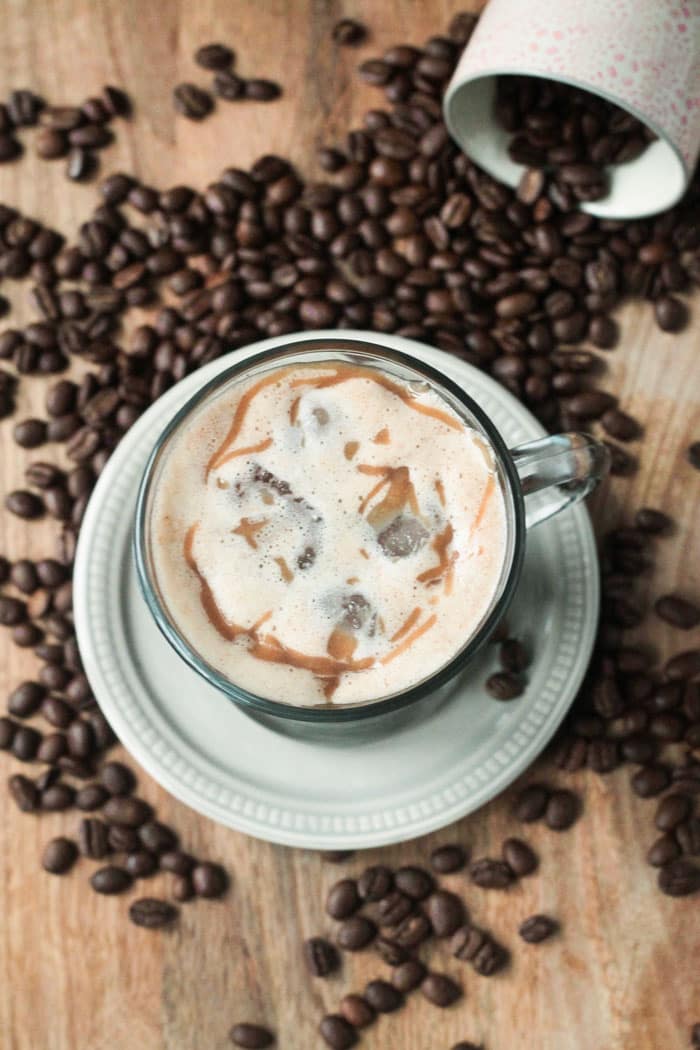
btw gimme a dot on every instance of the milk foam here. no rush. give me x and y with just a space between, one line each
329 537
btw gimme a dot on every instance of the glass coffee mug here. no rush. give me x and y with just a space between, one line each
537 479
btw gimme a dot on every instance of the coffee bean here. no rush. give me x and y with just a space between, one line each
682 666
30 433
446 913
537 928
449 858
491 874
157 837
177 862
335 1031
320 956
688 836
562 810
59 856
343 899
375 882
663 850
440 989
412 930
91 797
390 951
214 56
262 90
408 975
12 611
531 803
677 611
671 811
383 997
110 879
192 102
93 838
679 878
24 504
348 32
129 812
504 685
81 164
413 882
693 454
650 780
152 913
25 743
7 733
355 933
57 797
620 425
671 314
654 521
25 699
208 880
519 857
24 792
80 739
357 1011
117 778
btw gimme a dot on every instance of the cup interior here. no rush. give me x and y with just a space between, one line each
653 182
395 364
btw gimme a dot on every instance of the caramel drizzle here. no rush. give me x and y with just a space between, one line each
351 448
440 489
488 492
260 447
440 544
341 645
382 437
364 553
294 410
406 625
248 530
409 640
401 493
266 647
221 454
287 574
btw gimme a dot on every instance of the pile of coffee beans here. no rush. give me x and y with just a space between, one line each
404 235
566 135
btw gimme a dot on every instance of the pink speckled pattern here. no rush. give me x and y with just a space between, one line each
644 53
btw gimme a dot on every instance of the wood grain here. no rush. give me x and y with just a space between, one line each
74 974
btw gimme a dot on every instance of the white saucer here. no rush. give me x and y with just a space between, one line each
204 750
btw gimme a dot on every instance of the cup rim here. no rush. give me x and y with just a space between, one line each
364 709
596 208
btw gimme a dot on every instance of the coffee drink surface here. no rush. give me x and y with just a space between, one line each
326 533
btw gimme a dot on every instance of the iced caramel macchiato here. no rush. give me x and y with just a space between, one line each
326 533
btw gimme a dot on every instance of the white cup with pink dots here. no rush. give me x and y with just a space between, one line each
642 55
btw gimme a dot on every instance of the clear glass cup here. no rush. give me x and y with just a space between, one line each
537 479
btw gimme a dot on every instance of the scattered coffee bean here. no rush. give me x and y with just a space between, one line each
446 912
152 913
192 102
663 850
59 856
519 857
393 908
390 951
117 778
343 899
214 56
57 797
562 810
375 883
320 956
671 811
447 859
688 836
415 883
531 803
693 454
440 989
336 1032
348 32
93 838
24 504
679 878
357 1011
355 933
130 812
383 997
24 792
504 685
208 880
678 611
252 1036
537 928
110 879
408 975
650 780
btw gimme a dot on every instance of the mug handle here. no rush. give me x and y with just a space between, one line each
568 465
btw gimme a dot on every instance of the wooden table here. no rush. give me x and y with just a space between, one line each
74 974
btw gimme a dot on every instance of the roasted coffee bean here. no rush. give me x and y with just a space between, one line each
91 797
449 858
383 997
671 314
688 836
141 864
7 733
679 878
440 989
24 792
320 956
24 576
192 102
393 908
654 521
127 811
357 1011
30 433
408 975
412 930
110 879
693 454
682 666
59 856
251 1036
117 778
156 837
531 803
537 928
259 90
671 811
12 611
491 874
57 797
375 882
25 699
413 882
504 685
519 857
152 913
177 862
343 899
80 739
57 712
663 850
562 810
93 838
392 953
81 164
123 840
446 913
677 611
24 504
603 755
348 32
208 880
335 1031
25 743
355 933
650 780
214 56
